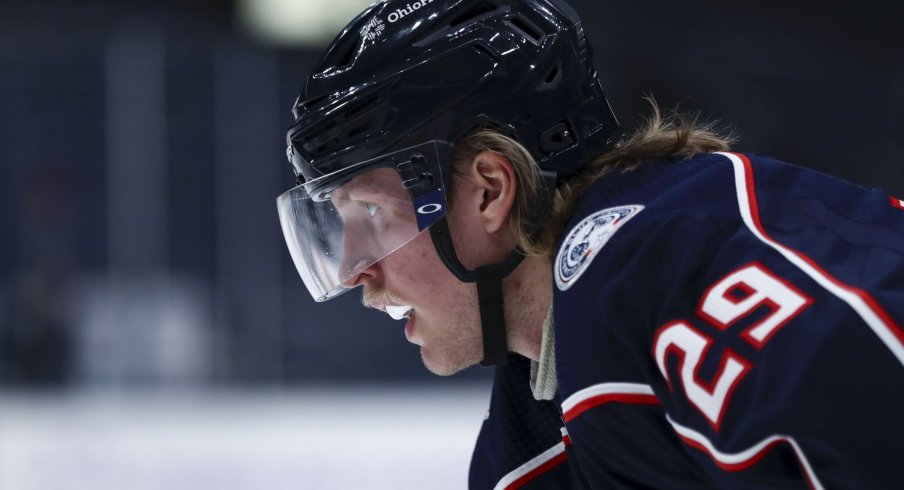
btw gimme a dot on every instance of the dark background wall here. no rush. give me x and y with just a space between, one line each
141 146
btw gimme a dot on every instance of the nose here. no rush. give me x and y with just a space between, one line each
357 265
352 277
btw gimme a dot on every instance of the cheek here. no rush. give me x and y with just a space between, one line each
417 272
416 265
473 245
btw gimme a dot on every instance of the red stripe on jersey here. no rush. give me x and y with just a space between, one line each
745 459
898 203
611 398
542 463
739 466
539 470
603 393
891 334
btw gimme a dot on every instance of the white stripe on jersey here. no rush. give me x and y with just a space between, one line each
605 391
859 300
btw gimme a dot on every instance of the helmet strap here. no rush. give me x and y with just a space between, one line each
489 291
492 311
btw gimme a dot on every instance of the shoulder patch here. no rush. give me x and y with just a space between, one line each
586 240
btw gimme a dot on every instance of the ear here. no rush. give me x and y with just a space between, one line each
495 185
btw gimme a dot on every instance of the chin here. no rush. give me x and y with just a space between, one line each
444 366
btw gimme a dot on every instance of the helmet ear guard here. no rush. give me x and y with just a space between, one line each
406 72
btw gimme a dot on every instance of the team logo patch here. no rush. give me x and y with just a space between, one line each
586 240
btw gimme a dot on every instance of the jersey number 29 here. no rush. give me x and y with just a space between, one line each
730 299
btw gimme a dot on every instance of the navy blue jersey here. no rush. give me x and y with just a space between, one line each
731 321
520 444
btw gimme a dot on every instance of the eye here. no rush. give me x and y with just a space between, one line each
371 208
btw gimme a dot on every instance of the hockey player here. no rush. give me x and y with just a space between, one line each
663 313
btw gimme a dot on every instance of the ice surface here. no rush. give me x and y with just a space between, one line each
324 438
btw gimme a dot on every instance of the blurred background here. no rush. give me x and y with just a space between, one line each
153 331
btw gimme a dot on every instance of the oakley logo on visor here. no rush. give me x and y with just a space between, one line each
429 208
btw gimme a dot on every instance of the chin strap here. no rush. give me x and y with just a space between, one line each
489 278
492 311
489 291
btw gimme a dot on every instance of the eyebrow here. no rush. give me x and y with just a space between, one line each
361 191
344 191
364 185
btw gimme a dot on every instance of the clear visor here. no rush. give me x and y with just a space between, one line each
338 225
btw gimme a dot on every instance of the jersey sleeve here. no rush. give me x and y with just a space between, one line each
781 357
769 345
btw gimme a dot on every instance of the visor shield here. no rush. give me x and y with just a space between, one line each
338 225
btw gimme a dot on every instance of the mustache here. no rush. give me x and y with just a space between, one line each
370 296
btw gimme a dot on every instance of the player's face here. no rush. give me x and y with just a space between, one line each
445 320
377 217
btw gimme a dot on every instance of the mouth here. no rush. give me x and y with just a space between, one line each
390 304
400 312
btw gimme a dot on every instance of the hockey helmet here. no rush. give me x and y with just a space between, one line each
394 91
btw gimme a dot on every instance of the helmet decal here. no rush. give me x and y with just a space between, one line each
373 29
407 10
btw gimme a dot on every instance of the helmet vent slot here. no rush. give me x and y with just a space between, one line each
342 54
526 28
360 129
472 14
347 56
475 11
553 77
362 107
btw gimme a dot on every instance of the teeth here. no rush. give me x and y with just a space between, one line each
399 312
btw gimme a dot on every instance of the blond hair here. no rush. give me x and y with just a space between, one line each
673 136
